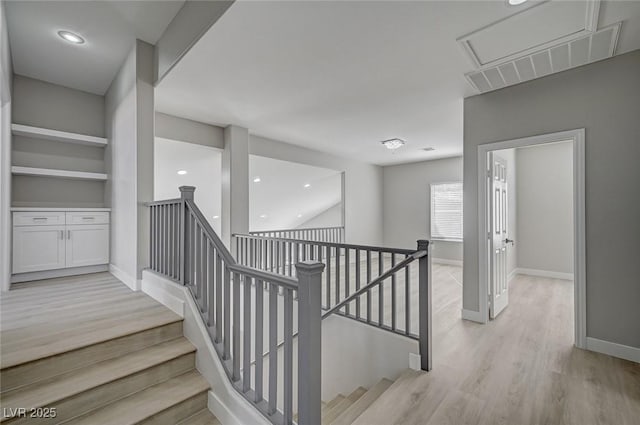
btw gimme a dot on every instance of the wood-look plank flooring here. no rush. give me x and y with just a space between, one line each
45 318
519 369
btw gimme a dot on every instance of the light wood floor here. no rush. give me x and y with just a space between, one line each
521 368
45 318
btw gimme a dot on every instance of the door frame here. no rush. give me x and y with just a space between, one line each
579 226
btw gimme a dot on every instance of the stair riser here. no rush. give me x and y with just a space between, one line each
179 411
104 394
31 372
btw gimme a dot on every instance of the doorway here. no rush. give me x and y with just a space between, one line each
495 190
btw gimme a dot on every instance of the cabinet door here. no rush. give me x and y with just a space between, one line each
37 248
87 245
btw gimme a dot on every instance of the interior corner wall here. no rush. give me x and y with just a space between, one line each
544 193
129 161
602 98
6 83
407 206
363 186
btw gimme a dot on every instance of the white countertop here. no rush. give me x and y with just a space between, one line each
57 209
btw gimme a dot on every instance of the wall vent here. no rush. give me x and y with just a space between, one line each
587 49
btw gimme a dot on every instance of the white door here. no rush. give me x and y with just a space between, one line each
499 285
87 245
37 248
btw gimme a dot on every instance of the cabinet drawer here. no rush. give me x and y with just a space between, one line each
87 217
38 218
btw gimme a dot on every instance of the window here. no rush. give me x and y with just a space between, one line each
446 211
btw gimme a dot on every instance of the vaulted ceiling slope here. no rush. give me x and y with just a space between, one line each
108 27
342 76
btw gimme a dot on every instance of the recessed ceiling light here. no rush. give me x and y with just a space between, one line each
299 215
307 185
393 144
216 216
263 216
71 37
182 172
257 179
515 2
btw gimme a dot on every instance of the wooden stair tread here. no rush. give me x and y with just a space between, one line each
94 332
336 411
203 417
356 394
358 407
331 404
146 403
52 390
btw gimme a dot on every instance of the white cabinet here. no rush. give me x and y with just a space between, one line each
79 239
38 248
87 245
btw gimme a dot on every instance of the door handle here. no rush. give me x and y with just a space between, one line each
68 234
61 234
511 241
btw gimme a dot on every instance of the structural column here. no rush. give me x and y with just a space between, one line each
235 183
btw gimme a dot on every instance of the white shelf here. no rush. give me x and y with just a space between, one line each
45 172
58 136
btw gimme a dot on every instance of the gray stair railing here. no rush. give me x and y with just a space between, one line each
319 234
244 310
393 286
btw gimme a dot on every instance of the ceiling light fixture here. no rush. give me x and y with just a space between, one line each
299 215
263 216
71 37
515 2
257 179
393 144
307 185
182 172
216 217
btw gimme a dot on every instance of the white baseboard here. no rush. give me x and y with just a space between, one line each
513 274
50 274
160 293
124 277
474 316
447 261
612 349
544 273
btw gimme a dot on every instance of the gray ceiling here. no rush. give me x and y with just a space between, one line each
109 28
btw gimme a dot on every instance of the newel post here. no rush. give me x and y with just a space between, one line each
309 275
186 192
424 304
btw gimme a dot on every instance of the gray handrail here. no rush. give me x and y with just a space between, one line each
372 248
184 247
368 287
255 232
402 264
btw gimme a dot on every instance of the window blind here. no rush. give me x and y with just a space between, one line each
446 211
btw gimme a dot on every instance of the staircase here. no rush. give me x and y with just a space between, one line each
344 410
95 353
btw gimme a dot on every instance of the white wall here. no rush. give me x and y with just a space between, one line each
184 130
280 199
407 208
6 75
544 193
331 217
129 162
363 186
204 168
602 98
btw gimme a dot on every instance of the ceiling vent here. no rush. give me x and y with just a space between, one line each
583 50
